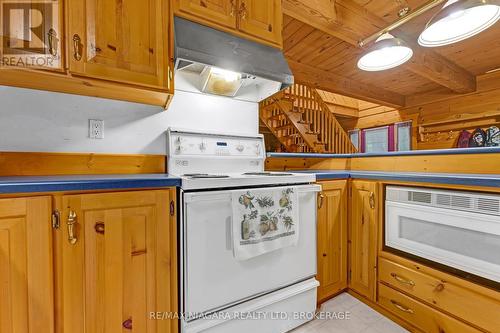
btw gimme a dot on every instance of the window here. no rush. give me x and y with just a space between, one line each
354 136
375 140
403 136
396 137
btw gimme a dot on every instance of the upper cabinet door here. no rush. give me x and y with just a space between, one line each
26 278
262 19
121 40
32 34
221 12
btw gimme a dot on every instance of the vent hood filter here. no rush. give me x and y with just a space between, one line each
221 82
227 65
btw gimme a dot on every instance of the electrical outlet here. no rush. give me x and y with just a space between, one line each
96 129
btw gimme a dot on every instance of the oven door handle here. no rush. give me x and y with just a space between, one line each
226 195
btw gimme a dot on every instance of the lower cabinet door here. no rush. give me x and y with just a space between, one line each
119 262
332 238
26 278
363 238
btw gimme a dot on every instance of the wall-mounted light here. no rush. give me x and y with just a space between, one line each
387 52
459 20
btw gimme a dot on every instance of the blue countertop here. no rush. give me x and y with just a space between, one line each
28 184
455 151
488 180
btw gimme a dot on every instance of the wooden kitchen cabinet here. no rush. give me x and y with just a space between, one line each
33 34
332 238
127 42
260 21
363 238
118 261
220 12
26 276
112 49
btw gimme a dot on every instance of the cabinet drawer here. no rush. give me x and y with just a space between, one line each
471 306
418 314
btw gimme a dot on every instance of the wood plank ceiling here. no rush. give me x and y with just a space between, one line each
320 43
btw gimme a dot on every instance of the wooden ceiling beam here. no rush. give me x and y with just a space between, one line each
352 22
435 67
425 62
332 98
306 11
342 111
337 84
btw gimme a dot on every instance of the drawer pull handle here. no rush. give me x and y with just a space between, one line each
320 201
402 280
71 227
401 307
439 287
372 200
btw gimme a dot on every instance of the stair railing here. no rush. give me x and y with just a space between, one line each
323 121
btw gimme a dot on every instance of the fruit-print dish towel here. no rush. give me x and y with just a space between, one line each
264 220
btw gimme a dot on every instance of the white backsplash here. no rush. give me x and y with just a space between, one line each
39 121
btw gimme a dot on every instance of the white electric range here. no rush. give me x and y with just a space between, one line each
218 293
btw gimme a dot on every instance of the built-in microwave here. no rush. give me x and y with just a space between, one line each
459 231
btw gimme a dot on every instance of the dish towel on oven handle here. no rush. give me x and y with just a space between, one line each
264 220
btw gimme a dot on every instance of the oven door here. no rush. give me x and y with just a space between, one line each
467 241
213 279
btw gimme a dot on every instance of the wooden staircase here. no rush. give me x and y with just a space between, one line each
302 122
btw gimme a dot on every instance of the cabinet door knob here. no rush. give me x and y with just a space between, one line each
324 254
77 46
99 228
71 227
52 37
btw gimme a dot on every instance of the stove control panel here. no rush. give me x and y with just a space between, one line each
196 144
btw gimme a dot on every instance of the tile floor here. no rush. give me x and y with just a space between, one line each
361 319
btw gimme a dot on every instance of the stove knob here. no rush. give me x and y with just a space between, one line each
179 149
178 140
203 146
240 148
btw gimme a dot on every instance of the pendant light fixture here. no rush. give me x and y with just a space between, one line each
459 20
456 21
387 52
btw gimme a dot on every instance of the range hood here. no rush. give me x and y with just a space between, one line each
213 61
